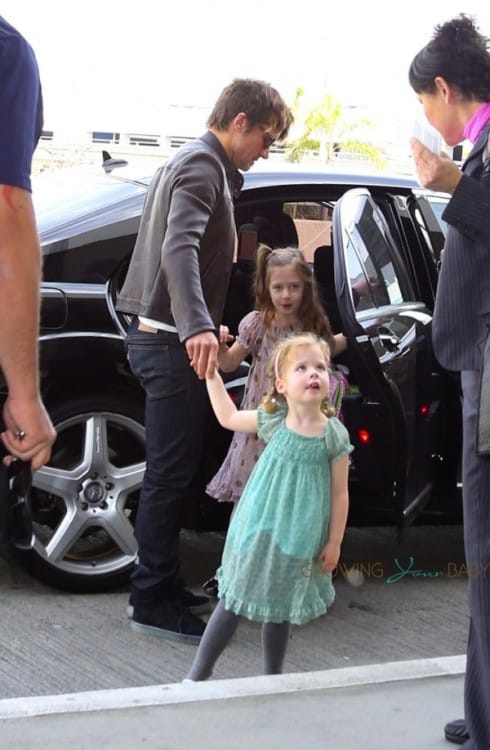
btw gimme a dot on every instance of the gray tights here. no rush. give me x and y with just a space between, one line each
219 632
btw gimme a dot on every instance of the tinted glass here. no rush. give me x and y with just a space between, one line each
370 264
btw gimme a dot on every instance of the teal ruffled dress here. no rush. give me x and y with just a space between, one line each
270 570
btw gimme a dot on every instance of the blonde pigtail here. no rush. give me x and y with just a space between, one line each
327 408
271 401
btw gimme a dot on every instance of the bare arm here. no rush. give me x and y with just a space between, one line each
229 358
340 344
339 493
226 412
20 275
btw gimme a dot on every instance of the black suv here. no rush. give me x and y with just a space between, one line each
373 242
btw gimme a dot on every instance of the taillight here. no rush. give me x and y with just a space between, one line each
364 436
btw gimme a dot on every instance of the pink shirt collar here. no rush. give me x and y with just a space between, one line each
476 124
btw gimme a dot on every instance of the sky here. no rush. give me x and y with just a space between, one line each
119 60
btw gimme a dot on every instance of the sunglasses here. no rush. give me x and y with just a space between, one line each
268 138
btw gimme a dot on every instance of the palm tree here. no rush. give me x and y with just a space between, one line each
325 131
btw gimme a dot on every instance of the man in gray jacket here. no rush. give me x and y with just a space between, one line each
176 288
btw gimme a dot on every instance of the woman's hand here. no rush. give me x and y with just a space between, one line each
435 172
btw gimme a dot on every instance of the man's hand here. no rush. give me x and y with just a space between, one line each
203 353
29 433
435 172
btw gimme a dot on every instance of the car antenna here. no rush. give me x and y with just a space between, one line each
109 163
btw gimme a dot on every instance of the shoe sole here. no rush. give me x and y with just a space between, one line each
456 740
169 635
199 609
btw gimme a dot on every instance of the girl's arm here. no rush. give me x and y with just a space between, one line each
229 358
339 498
226 412
340 344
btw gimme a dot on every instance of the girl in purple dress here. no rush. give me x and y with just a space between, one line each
286 302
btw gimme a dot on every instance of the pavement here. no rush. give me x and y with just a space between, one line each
398 705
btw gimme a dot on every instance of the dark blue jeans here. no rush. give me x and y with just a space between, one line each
176 409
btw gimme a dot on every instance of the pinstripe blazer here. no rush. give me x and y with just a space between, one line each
462 309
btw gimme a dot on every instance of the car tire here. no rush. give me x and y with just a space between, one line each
84 501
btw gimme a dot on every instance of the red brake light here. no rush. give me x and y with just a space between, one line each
364 436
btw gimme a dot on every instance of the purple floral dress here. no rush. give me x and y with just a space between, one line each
245 448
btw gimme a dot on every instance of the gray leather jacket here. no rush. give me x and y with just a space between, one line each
181 263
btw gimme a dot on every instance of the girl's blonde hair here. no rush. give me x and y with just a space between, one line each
310 313
277 365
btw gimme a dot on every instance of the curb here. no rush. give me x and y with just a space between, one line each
159 695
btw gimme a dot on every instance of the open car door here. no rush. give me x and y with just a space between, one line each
393 419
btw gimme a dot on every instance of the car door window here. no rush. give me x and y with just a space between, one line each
427 213
370 264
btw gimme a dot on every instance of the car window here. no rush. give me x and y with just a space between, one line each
68 207
371 270
373 264
438 205
371 254
89 263
313 222
370 265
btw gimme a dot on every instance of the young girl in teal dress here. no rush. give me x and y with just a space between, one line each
284 538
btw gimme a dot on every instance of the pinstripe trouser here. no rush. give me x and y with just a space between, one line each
476 505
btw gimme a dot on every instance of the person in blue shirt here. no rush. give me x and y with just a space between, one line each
27 430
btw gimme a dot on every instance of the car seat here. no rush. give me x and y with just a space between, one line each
276 229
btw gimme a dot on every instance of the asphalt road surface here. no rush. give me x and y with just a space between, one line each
407 600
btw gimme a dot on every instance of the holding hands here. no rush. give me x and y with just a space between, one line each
203 350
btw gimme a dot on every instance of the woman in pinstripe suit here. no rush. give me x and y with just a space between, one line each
451 76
